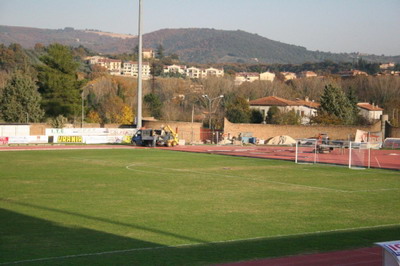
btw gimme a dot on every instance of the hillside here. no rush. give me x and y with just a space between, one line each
192 45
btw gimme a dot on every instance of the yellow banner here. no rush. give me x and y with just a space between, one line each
70 139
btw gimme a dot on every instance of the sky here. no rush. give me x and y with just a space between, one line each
365 26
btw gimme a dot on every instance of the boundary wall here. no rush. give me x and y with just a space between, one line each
266 131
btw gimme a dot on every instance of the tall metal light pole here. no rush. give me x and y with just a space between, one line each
210 106
83 110
139 89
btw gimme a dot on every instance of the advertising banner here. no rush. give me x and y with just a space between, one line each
95 139
90 131
374 138
68 139
3 140
27 139
391 248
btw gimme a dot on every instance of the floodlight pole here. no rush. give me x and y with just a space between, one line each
210 106
139 89
83 109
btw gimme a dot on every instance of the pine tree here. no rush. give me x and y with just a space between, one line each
58 82
20 100
335 104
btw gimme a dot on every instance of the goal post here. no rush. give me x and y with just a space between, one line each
306 151
359 155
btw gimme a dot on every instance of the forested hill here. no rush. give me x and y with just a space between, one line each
192 45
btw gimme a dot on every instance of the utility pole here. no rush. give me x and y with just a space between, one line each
139 89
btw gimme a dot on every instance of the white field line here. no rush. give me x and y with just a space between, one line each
378 162
253 179
197 244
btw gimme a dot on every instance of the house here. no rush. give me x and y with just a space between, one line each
307 74
148 53
214 72
131 69
246 77
289 75
175 69
268 76
370 111
264 104
305 108
352 73
387 66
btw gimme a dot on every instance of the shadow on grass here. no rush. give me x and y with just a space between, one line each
24 237
27 238
105 220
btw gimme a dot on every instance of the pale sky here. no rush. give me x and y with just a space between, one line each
366 26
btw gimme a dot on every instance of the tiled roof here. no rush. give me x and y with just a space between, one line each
247 74
369 107
310 104
273 101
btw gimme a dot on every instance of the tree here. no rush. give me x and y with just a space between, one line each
153 102
334 103
20 100
279 117
256 116
238 111
272 114
58 82
160 52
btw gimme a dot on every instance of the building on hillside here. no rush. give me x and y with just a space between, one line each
212 72
307 74
387 66
131 69
148 53
175 69
352 73
196 73
370 111
113 66
246 77
193 72
268 76
289 75
92 60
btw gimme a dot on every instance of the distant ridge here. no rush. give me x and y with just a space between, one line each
110 34
193 45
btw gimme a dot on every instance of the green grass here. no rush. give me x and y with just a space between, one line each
173 208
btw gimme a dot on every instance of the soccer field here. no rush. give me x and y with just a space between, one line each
160 207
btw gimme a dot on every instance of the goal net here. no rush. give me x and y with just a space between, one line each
359 155
306 151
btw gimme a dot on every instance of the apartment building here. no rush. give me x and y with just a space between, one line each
212 72
175 69
131 69
112 65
